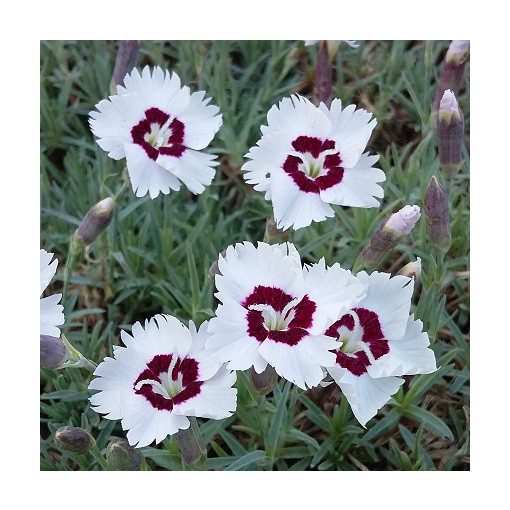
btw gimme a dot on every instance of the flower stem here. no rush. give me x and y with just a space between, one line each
74 250
191 444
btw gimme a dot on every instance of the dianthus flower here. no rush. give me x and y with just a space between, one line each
51 312
160 129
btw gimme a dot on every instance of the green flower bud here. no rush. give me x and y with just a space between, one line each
123 457
95 221
437 216
74 439
265 381
191 444
53 352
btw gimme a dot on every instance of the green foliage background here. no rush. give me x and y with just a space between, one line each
156 254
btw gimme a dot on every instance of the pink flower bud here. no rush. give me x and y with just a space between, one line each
452 72
402 222
388 234
450 134
458 52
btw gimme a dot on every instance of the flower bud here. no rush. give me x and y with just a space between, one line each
412 269
53 352
436 214
273 234
323 75
191 444
214 269
95 221
74 439
265 381
452 72
388 234
402 222
450 134
127 55
123 457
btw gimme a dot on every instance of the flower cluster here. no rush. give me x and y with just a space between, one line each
301 320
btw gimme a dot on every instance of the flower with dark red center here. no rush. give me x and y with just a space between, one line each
379 341
52 314
275 312
160 128
309 158
163 375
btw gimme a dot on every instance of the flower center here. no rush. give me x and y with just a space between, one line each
167 386
314 164
159 133
273 314
361 340
274 320
168 380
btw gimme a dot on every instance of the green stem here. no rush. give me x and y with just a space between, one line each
98 457
74 249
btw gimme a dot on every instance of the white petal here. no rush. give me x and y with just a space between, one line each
229 338
146 175
195 169
293 207
358 187
217 398
334 291
351 130
302 363
266 158
51 315
297 116
157 89
48 269
364 394
245 266
201 122
408 355
390 298
160 334
114 120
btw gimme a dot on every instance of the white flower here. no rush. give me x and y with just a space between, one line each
163 375
309 158
352 44
274 311
403 221
51 312
379 342
160 128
